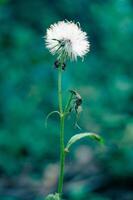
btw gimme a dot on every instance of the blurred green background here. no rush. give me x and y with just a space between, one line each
29 152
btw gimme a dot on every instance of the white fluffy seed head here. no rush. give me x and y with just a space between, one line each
66 40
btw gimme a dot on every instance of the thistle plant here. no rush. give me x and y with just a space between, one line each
67 41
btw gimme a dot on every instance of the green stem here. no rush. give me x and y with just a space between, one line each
62 156
60 89
62 119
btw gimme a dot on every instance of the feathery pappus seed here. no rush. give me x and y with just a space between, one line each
66 40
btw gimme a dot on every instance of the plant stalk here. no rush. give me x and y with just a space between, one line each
62 119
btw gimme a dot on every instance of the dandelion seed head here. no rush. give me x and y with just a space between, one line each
66 40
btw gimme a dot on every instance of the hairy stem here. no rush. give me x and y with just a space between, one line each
62 119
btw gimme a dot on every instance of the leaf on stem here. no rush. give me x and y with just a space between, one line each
51 113
53 197
77 137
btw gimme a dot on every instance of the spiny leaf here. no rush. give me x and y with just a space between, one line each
77 137
53 197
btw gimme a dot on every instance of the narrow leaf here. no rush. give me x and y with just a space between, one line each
77 137
51 113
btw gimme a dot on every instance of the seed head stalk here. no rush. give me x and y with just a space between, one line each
62 119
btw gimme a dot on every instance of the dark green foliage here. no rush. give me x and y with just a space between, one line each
28 92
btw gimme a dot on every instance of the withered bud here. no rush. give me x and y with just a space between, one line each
57 64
